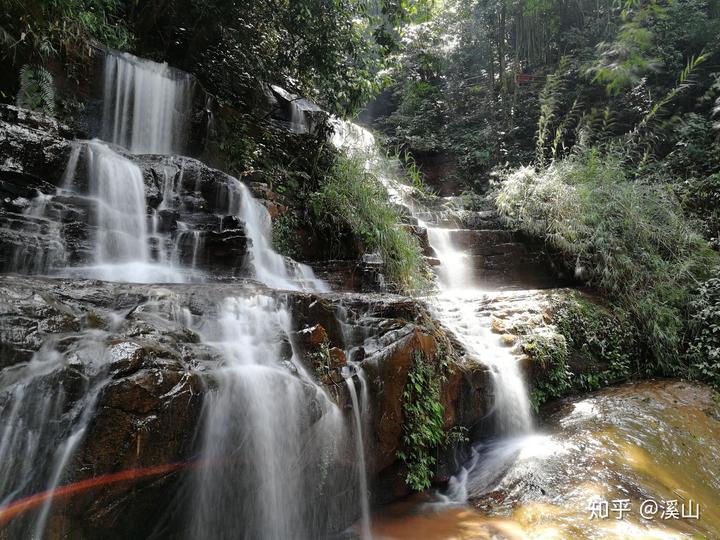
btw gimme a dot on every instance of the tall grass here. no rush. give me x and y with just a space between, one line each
626 238
351 197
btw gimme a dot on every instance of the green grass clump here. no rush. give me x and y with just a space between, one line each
351 197
593 346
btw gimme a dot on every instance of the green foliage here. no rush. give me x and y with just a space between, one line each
549 100
471 201
629 239
38 29
352 198
597 71
704 346
623 61
423 431
37 90
593 347
285 239
331 51
550 351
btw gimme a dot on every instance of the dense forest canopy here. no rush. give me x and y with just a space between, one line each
333 51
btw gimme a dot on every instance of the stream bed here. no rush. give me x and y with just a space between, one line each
628 447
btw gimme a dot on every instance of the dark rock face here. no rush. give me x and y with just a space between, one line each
190 206
501 260
150 373
34 151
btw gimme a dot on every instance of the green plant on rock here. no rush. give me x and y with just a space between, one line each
704 344
37 90
629 239
601 342
353 199
285 239
423 431
551 352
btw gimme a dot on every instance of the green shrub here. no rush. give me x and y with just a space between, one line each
704 349
594 346
37 90
285 239
351 198
551 352
628 239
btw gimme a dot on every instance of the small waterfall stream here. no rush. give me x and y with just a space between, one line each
458 305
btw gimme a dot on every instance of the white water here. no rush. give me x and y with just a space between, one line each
365 533
458 304
146 110
268 434
270 268
116 193
271 433
41 427
147 105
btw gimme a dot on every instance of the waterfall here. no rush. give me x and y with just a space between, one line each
269 434
278 458
360 453
121 243
271 268
41 426
147 105
457 305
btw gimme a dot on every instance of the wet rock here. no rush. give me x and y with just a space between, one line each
312 338
154 375
32 145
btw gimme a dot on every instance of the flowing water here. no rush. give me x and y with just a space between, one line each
121 248
41 424
270 432
654 441
459 299
273 429
147 105
278 458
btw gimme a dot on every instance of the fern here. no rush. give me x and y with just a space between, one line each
570 118
37 90
684 81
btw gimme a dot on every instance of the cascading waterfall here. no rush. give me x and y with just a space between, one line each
271 268
116 191
272 438
146 109
458 305
147 105
269 434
